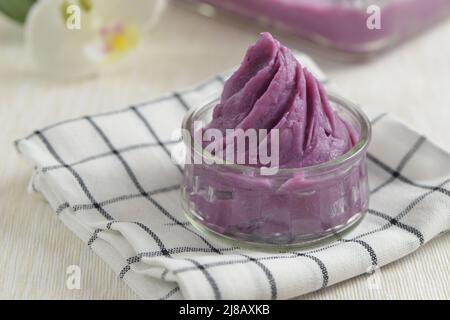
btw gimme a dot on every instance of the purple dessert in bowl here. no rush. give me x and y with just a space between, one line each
317 183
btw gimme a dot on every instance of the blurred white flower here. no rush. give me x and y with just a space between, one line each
76 38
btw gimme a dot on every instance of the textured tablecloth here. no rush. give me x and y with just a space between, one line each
411 82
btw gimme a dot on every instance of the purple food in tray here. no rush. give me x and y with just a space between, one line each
348 25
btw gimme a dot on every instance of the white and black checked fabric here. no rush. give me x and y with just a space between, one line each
110 179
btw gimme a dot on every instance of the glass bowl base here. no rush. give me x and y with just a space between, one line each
276 243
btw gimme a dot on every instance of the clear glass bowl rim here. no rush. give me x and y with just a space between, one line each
346 159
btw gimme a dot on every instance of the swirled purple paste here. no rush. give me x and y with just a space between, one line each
271 90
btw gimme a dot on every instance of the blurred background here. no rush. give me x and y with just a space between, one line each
127 52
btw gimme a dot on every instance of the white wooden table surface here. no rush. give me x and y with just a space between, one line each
412 82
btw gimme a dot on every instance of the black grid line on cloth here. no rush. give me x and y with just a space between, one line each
109 153
395 221
61 123
114 112
420 198
62 207
93 237
323 268
401 177
164 274
121 198
175 251
33 186
153 133
124 271
155 237
268 274
399 224
171 224
170 293
401 165
257 261
368 248
109 224
181 101
212 282
365 245
75 174
396 174
88 194
139 187
264 258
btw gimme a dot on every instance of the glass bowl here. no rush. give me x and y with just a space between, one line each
289 208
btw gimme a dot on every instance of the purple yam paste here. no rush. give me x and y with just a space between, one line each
271 90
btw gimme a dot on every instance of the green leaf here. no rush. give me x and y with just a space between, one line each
64 5
85 5
16 9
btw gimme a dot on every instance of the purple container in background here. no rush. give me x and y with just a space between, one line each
342 24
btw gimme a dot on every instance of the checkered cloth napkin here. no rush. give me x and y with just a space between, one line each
110 179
